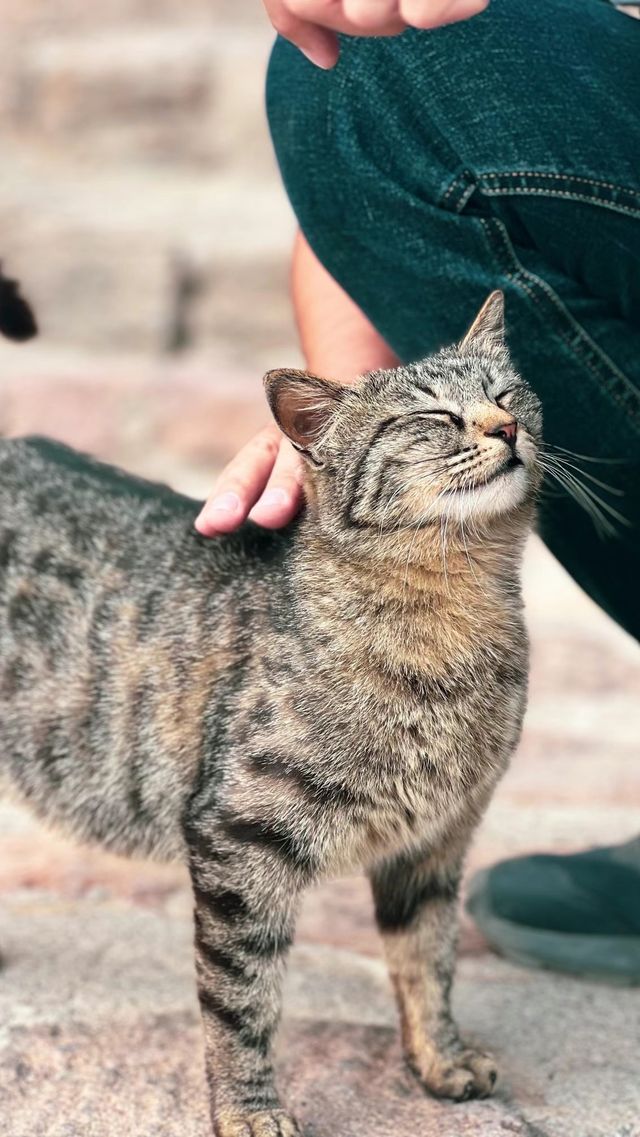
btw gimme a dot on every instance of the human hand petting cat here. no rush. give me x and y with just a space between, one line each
312 25
265 474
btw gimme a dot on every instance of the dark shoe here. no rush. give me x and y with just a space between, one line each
578 913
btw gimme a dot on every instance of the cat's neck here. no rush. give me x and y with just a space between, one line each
424 599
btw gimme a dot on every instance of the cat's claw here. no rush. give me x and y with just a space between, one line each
469 1074
266 1123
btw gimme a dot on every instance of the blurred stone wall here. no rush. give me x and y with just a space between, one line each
139 201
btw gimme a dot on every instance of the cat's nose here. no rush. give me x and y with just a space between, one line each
508 431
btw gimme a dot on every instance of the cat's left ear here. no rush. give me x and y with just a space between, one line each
487 330
303 405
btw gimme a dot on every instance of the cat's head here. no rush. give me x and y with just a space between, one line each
452 437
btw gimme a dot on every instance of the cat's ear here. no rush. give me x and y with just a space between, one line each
303 405
487 330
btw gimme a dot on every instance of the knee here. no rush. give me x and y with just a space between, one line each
348 152
383 122
414 111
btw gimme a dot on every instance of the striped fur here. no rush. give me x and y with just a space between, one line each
278 707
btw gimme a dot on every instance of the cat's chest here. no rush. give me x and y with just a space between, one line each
448 718
424 789
433 755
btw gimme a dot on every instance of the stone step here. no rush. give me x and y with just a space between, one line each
143 210
191 93
126 258
101 1034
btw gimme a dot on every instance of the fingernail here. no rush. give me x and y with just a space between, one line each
225 503
275 497
316 59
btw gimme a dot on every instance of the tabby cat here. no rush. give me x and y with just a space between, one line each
278 707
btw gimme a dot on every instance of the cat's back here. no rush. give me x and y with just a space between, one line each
50 491
56 502
117 620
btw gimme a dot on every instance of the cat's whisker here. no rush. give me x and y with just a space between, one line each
587 498
580 497
550 448
467 554
394 497
565 464
554 466
406 508
443 545
406 569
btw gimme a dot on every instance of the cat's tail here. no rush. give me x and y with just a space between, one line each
17 320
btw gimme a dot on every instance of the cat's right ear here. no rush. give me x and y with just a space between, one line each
303 406
487 330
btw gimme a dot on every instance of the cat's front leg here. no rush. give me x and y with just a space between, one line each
245 900
416 910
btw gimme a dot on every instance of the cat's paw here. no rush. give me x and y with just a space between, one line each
266 1123
467 1074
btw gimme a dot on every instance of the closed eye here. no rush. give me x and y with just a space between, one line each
455 419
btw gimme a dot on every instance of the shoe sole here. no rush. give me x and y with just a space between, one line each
614 959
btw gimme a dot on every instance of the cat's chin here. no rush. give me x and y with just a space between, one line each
506 490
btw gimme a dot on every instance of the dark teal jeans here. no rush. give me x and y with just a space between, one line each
503 152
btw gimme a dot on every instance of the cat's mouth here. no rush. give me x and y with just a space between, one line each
512 463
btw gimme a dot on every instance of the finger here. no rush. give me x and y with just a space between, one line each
240 484
463 10
324 14
282 497
380 18
436 13
319 44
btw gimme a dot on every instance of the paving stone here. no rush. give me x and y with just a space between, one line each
100 1036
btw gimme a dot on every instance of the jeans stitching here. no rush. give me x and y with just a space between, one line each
462 182
529 191
452 186
526 279
563 178
462 201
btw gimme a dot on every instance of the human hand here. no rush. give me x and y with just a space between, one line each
263 481
312 24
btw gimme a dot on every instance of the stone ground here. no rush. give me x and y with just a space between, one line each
140 206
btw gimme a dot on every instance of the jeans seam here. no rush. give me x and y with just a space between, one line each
561 178
530 191
458 192
498 184
620 387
